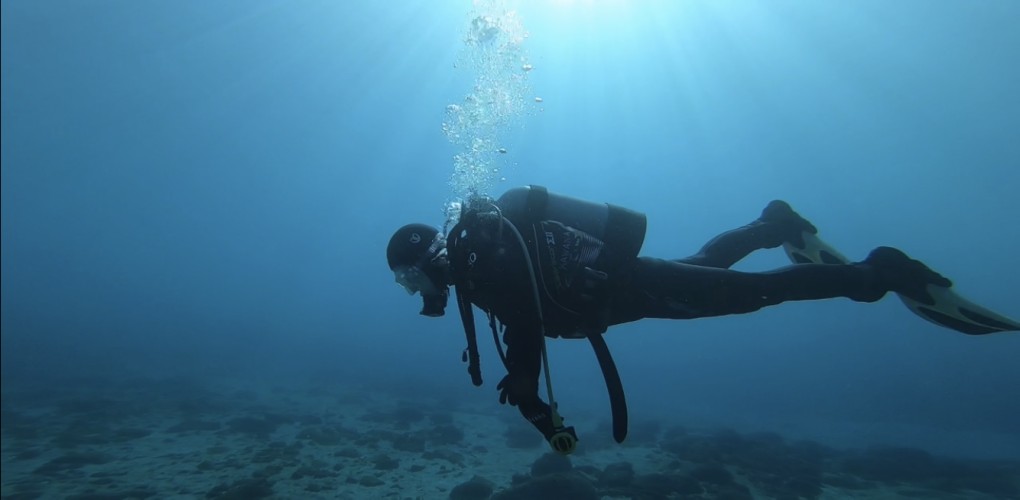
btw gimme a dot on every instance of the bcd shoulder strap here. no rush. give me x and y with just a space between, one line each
467 316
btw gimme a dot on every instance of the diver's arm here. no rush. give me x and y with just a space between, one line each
539 414
524 336
520 386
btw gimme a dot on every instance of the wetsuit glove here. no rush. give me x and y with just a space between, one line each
507 392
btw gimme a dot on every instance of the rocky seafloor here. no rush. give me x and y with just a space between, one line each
180 438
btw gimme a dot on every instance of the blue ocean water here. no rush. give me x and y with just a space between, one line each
202 192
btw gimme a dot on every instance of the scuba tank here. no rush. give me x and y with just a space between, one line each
621 230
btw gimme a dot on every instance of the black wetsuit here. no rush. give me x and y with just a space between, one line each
581 295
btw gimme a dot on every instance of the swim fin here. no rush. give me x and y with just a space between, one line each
814 251
947 308
950 310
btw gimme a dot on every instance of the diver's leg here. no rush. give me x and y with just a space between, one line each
778 224
657 288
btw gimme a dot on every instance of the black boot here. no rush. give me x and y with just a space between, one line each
908 277
786 224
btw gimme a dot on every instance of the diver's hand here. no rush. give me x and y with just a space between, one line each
511 389
504 392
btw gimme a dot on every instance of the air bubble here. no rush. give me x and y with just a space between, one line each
493 51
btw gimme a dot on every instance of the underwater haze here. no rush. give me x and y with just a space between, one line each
197 197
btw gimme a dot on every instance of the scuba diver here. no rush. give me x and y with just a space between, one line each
539 265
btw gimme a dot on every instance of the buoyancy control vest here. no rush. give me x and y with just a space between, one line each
575 244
